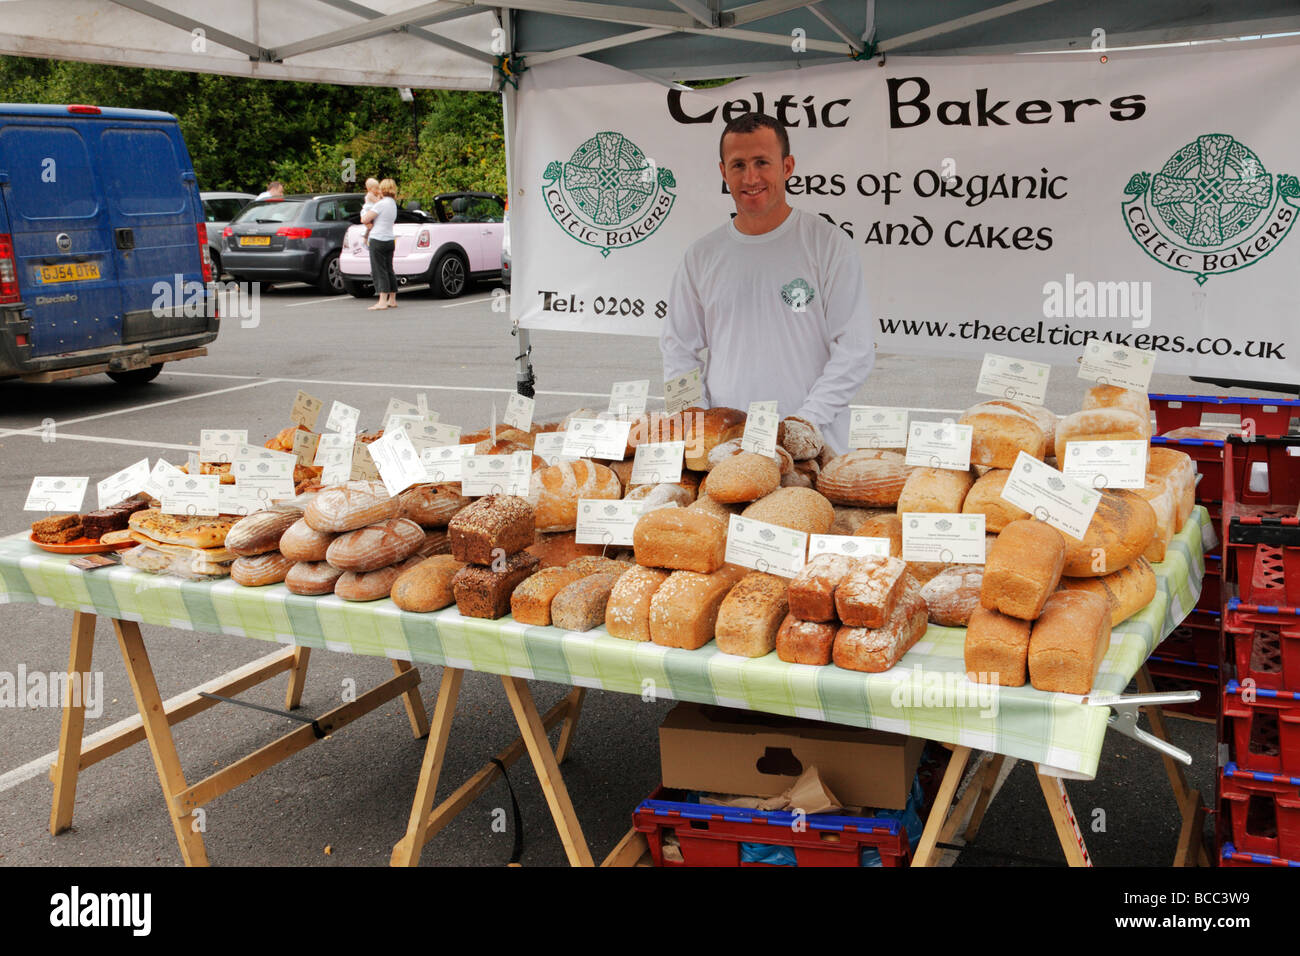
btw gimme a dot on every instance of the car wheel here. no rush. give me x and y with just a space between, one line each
137 376
448 276
216 265
358 288
331 278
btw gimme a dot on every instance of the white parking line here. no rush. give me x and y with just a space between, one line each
64 436
460 302
323 300
417 386
33 768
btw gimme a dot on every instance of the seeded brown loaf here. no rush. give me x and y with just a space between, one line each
371 585
627 615
580 606
426 586
703 429
935 490
751 614
866 596
877 649
680 539
1112 396
867 477
684 609
1068 641
260 532
1100 424
312 577
997 648
1000 430
1127 591
492 526
1022 568
953 594
375 546
743 477
806 642
302 542
801 438
432 506
253 571
985 498
1121 530
350 506
599 564
558 488
530 603
482 592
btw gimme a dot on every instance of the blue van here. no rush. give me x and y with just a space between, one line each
103 249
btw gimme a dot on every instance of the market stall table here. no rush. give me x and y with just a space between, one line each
1059 732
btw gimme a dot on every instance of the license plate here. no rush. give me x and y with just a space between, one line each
254 240
69 272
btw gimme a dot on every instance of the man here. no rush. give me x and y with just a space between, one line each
776 296
274 190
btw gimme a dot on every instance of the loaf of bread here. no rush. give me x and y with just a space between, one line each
953 594
812 590
799 509
803 475
729 449
1001 430
997 648
1160 496
1121 530
557 489
1178 469
866 596
490 527
260 532
1068 642
888 525
877 649
302 542
253 571
985 498
426 586
703 429
660 496
436 541
801 438
312 577
1207 432
531 601
935 490
751 614
868 477
350 506
1112 396
709 506
1100 424
1022 568
744 477
847 520
580 605
627 615
680 539
1047 420
484 592
806 642
599 564
375 546
432 506
1127 591
371 585
558 549
684 609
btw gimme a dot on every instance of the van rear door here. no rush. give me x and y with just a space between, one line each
62 239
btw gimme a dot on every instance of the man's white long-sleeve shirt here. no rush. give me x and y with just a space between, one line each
784 316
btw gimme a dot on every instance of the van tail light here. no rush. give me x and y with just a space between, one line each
8 270
293 232
205 260
423 241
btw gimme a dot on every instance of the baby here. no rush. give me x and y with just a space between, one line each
372 196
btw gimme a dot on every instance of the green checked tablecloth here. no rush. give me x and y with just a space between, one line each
927 695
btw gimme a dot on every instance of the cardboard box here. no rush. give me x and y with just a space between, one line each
718 750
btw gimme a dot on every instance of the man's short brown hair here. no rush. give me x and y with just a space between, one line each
752 123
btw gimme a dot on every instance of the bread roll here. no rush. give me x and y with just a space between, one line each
1100 424
867 477
751 614
1068 642
371 585
376 546
256 570
953 594
801 438
432 506
1023 568
260 532
1160 496
866 596
1121 530
627 614
997 648
799 509
580 605
812 590
312 577
558 488
1000 430
1178 469
492 526
1112 396
743 477
874 650
684 609
484 592
557 550
350 506
805 642
935 490
680 539
704 429
426 585
985 498
1127 591
302 542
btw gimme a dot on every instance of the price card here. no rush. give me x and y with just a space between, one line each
949 538
398 407
363 465
331 441
684 391
398 461
274 476
442 463
56 494
1013 378
1050 496
846 544
124 483
939 445
161 469
628 399
765 547
601 521
1106 464
304 446
658 462
192 464
336 460
191 495
596 438
496 474
549 447
305 411
761 426
519 412
1108 364
426 434
257 453
343 419
873 426
220 444
234 500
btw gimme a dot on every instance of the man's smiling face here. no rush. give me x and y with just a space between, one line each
755 173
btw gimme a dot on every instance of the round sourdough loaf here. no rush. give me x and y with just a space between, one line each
799 509
867 477
257 570
557 488
1100 424
371 585
729 448
312 577
1112 396
743 477
302 542
375 546
350 506
801 438
703 429
1120 531
260 532
1127 591
935 490
985 498
1001 430
426 586
432 506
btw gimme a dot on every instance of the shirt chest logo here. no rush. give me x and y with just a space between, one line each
797 294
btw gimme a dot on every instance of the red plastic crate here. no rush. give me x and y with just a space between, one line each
1270 416
1265 573
711 836
1196 639
1262 810
1170 674
1231 856
1268 516
1212 594
1264 645
1264 733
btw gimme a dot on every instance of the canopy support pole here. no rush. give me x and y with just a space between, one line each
525 381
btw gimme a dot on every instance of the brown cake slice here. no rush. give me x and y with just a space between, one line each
96 524
57 529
